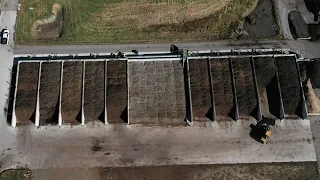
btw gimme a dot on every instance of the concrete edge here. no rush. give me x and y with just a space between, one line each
14 117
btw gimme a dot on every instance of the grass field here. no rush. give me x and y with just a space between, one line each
15 174
125 21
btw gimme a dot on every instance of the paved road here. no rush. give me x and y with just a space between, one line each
309 49
284 7
7 18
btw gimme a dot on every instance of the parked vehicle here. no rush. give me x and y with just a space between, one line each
260 132
5 36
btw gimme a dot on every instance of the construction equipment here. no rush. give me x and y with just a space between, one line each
260 132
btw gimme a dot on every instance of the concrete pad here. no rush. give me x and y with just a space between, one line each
133 145
315 128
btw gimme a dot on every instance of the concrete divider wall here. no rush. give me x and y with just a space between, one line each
211 91
259 114
235 100
281 113
105 93
14 118
303 104
60 94
37 115
189 113
82 92
128 91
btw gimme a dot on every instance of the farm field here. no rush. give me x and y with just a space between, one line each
124 21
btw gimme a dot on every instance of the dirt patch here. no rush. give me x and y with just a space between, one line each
294 171
49 92
314 73
222 88
262 171
145 14
200 88
50 28
96 147
71 93
245 89
116 92
26 98
262 22
156 93
312 100
269 94
94 91
289 84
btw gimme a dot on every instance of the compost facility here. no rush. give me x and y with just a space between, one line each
158 89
